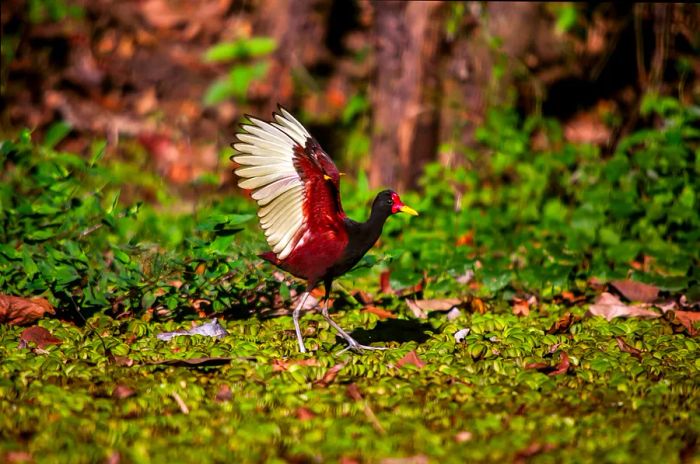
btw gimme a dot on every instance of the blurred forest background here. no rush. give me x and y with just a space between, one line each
386 87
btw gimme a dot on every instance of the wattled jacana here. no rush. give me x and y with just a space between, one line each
297 187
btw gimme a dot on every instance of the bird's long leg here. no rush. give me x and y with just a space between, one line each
352 343
295 317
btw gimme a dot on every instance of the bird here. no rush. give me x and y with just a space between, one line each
297 188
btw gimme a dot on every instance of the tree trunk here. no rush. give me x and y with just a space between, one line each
405 93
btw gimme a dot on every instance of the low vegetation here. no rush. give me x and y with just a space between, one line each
517 246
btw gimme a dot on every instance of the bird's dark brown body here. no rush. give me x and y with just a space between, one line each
297 187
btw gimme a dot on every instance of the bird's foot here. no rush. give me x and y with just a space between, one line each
359 348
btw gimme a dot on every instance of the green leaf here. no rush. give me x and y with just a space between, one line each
242 48
217 92
55 133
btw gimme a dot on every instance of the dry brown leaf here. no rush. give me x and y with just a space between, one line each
384 282
16 457
123 361
477 305
411 358
363 297
636 291
626 348
465 239
521 306
224 394
421 308
563 324
122 391
381 312
570 298
38 335
609 306
531 450
15 310
563 366
329 376
279 365
688 319
417 310
463 436
304 414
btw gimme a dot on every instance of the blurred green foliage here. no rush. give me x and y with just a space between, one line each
251 56
547 221
65 235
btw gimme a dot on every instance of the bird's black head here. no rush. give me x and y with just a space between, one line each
389 202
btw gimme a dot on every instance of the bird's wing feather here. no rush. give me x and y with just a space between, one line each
279 161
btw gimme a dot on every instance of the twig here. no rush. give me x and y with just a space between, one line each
354 393
181 403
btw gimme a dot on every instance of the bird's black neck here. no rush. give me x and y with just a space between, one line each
363 235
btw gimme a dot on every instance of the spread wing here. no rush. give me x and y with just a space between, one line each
288 172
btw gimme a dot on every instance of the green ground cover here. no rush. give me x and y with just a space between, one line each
510 225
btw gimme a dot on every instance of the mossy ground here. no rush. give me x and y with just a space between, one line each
474 401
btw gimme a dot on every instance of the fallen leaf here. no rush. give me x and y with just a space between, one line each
224 394
16 457
382 313
586 127
329 376
465 278
114 458
570 298
626 348
384 282
461 334
688 319
689 303
279 365
15 310
476 305
421 308
210 329
521 307
463 436
123 361
531 450
465 239
38 335
563 324
636 291
552 349
417 310
609 306
363 297
304 414
453 314
563 366
122 391
538 366
411 358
